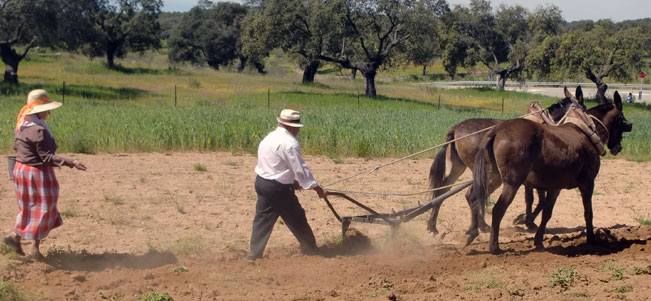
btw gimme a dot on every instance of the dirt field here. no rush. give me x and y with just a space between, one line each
137 223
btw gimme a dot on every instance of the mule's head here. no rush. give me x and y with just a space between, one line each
617 125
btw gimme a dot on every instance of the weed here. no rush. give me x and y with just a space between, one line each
8 291
644 221
337 161
642 271
232 163
623 289
489 206
180 269
484 279
617 271
199 167
563 278
68 213
116 201
156 296
179 208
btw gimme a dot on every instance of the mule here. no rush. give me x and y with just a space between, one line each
520 152
461 155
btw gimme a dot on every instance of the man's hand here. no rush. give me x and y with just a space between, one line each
320 191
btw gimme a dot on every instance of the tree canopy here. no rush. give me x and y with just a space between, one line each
26 23
209 34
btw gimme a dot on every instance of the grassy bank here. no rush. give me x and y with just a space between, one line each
133 109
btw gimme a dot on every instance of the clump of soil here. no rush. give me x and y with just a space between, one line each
355 242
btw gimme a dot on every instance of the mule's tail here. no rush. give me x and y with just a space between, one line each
437 171
480 172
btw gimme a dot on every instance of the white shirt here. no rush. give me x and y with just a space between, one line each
280 159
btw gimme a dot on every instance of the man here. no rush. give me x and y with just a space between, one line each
280 170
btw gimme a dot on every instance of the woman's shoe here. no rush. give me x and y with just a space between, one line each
8 240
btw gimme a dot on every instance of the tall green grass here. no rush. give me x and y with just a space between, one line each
133 109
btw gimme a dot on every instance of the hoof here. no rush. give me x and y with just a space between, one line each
496 250
9 241
531 227
471 238
520 220
433 230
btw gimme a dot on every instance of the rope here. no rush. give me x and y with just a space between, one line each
398 194
418 153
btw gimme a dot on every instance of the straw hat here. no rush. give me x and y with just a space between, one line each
37 95
290 118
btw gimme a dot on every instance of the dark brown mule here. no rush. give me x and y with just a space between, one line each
461 155
519 151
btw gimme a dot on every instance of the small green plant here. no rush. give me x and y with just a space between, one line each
617 271
179 208
642 271
643 221
232 163
180 269
489 206
563 278
483 279
68 213
623 289
114 200
199 167
8 291
156 296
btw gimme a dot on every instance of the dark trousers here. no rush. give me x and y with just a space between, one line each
274 200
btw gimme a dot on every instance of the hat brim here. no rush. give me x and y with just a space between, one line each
292 124
45 107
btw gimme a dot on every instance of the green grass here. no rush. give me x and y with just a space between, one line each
199 167
9 292
563 278
133 109
643 221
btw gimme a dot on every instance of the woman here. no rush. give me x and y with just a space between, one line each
37 189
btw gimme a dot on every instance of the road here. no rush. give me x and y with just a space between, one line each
555 89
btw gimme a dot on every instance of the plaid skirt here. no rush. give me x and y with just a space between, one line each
37 192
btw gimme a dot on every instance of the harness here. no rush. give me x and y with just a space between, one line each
585 122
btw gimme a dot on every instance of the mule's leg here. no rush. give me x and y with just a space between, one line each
547 208
531 216
456 170
524 219
508 193
586 194
472 231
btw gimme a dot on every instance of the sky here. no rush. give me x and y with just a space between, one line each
573 10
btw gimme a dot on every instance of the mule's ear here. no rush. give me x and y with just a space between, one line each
567 92
618 101
601 96
579 94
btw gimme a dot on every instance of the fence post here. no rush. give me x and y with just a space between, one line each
175 96
502 105
439 101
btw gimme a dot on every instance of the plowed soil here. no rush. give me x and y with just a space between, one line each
141 223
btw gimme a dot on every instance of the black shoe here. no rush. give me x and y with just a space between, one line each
8 240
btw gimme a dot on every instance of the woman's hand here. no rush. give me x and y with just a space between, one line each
78 165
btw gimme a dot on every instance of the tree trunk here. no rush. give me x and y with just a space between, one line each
111 49
369 75
241 64
425 70
310 71
501 82
353 73
11 60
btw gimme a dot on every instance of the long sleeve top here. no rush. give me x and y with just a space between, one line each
280 159
35 146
